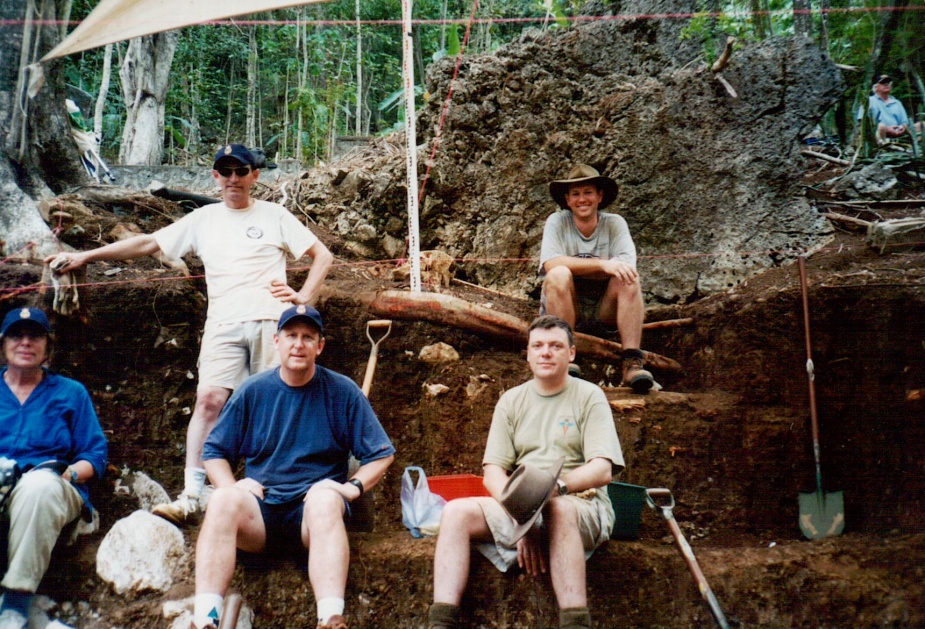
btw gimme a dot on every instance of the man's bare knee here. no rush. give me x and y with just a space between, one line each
226 505
209 402
558 278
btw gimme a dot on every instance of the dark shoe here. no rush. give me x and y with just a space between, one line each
334 622
574 370
634 374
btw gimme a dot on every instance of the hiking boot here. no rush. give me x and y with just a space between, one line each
634 374
184 510
334 622
574 370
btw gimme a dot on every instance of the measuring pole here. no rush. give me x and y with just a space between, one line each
414 240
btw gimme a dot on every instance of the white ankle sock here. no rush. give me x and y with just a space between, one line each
328 607
207 609
194 479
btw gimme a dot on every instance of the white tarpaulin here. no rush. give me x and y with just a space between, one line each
117 20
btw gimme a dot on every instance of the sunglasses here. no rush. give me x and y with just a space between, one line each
241 171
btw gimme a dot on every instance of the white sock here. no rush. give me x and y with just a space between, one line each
207 609
194 479
328 607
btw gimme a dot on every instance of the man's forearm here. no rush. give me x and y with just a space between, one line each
590 268
220 473
371 473
595 473
321 263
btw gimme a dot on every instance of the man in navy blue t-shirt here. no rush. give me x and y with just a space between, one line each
294 428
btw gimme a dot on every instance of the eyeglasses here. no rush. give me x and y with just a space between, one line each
241 171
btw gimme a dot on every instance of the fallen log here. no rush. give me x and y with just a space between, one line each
667 323
857 224
458 313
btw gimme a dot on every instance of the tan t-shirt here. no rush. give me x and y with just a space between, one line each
575 423
243 252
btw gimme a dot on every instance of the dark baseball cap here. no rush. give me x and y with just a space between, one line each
25 316
883 79
237 152
309 314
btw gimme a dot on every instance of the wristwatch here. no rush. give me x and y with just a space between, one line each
74 476
563 488
356 482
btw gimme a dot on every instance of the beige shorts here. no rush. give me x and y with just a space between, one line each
594 525
230 352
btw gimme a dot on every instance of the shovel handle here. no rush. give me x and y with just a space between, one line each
230 612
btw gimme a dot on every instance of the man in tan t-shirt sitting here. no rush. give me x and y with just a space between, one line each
243 244
551 417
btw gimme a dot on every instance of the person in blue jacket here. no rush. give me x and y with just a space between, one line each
49 428
294 427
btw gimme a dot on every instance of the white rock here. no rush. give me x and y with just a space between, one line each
433 390
148 491
438 353
141 553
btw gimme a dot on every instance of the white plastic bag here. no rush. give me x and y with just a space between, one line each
420 509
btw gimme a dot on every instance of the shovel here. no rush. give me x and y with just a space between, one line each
364 518
230 612
822 514
376 324
665 508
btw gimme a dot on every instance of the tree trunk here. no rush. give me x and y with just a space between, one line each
104 92
761 19
145 77
37 151
359 115
250 133
802 18
882 53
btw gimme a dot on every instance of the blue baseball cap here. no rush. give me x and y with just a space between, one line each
25 316
237 152
312 316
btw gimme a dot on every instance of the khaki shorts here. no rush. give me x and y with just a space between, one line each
230 352
594 525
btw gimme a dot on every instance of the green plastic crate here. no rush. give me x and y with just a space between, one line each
628 501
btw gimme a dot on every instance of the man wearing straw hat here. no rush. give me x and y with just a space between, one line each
588 266
243 243
552 449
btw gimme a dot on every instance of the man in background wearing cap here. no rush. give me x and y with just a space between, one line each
243 244
47 426
886 112
294 427
588 267
549 418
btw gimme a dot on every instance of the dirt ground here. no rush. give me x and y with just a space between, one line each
730 437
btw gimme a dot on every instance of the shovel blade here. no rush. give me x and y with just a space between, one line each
822 514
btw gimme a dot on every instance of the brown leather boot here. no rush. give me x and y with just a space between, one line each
634 374
334 622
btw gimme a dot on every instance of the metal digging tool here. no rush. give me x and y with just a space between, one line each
230 612
666 510
822 514
364 517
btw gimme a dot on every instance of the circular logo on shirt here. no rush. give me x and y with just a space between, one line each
254 232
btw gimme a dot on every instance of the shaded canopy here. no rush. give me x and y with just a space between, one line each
117 20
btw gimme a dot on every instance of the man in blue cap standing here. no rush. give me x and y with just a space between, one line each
243 243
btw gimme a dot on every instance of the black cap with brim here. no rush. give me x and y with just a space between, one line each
584 174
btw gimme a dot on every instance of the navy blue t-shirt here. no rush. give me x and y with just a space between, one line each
292 437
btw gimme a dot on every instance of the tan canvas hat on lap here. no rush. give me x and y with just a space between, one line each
582 173
527 491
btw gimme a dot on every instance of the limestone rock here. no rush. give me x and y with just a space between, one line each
438 353
141 553
148 492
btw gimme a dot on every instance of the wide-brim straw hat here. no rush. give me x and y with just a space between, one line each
527 491
582 173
